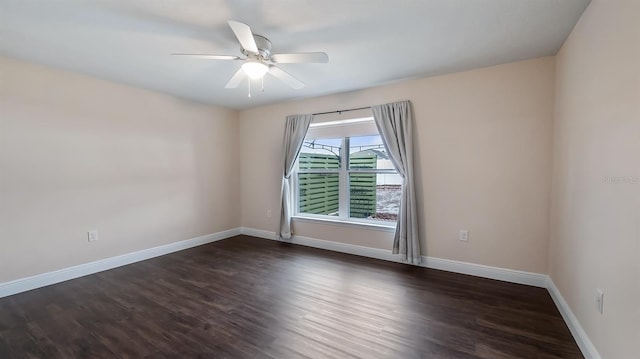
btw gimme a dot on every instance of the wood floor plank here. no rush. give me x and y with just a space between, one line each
246 297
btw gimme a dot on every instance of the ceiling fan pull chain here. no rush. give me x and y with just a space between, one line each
249 80
262 81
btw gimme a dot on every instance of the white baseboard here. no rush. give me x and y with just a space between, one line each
258 233
582 339
45 279
478 270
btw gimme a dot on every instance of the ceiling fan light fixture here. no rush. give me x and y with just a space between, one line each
255 69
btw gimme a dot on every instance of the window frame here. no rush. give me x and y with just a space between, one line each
344 197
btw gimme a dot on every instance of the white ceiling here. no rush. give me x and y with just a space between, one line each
369 42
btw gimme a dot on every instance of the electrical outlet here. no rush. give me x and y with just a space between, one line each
268 213
92 235
464 235
599 300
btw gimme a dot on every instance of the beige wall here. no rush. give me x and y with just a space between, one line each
595 239
78 153
483 159
144 168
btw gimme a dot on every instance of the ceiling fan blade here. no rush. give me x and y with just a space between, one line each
306 57
208 56
285 77
235 80
244 35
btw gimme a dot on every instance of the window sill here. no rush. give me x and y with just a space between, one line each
391 227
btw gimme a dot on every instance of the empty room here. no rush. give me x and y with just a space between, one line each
320 179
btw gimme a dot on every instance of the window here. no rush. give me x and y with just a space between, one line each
344 173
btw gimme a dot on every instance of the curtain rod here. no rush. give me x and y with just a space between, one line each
341 111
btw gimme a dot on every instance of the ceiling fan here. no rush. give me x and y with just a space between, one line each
259 61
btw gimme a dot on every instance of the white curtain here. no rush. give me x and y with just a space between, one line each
295 130
394 122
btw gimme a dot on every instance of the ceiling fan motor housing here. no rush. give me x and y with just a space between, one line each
264 48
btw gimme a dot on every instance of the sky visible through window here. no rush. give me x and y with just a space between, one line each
354 141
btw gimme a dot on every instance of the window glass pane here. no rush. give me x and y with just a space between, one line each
374 196
318 193
367 152
321 153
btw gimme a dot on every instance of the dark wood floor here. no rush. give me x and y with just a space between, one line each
252 298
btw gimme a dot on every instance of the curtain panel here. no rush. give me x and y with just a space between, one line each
394 122
296 127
